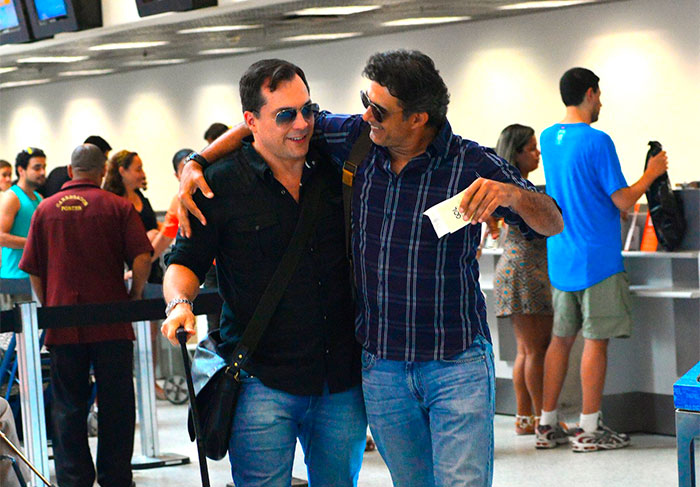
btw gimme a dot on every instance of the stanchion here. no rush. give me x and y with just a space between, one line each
31 389
150 457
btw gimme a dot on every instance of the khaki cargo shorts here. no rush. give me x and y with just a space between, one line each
601 311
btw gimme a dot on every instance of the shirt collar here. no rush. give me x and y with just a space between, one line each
260 167
78 182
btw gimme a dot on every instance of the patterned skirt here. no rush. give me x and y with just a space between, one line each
521 283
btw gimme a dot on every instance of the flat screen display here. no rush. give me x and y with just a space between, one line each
50 9
8 15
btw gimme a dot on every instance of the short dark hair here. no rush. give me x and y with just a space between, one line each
411 77
274 70
574 84
101 143
179 156
22 159
214 131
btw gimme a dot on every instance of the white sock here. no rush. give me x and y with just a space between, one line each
589 422
549 418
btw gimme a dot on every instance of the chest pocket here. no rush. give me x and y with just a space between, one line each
253 238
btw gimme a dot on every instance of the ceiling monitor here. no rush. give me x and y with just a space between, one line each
50 17
13 23
152 7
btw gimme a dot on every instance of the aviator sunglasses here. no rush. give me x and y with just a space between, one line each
288 115
377 112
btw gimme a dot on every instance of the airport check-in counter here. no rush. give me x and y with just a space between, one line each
665 341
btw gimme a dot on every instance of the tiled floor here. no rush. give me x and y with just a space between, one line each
650 461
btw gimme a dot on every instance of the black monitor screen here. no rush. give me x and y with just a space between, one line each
8 15
50 9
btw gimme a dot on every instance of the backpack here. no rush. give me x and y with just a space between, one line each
665 207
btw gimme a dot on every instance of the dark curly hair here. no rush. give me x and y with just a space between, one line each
411 77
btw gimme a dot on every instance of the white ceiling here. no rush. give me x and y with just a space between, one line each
273 17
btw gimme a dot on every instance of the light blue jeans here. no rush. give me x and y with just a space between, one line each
331 429
433 421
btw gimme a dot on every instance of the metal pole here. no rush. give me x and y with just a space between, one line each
145 383
150 457
31 389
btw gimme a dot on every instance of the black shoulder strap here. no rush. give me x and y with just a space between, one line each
280 279
358 152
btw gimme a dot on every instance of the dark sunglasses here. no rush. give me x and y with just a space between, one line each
288 115
377 112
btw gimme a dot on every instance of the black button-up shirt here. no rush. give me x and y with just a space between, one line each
250 221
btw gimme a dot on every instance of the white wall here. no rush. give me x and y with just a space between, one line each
647 53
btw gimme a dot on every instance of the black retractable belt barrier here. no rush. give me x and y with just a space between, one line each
151 308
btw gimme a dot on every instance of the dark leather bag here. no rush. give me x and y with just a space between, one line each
665 207
216 401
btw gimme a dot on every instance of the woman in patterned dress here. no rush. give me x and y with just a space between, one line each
522 289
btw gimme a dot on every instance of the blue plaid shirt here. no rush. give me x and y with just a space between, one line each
418 296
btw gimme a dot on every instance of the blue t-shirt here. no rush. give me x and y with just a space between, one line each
582 171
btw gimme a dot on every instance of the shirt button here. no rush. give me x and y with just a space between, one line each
311 249
283 192
325 317
327 351
319 283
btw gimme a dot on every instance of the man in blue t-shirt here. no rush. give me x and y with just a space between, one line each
591 290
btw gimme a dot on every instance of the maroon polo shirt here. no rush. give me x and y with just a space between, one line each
78 243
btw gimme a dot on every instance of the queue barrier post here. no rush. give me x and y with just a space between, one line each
31 388
150 457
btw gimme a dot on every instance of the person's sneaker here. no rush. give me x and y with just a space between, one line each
547 436
601 439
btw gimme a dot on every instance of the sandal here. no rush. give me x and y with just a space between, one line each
524 425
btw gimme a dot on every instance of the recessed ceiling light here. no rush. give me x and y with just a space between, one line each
424 21
218 28
17 84
86 72
227 50
52 59
127 45
155 62
320 37
543 4
347 10
8 69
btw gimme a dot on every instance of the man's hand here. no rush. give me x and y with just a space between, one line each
180 316
191 179
658 164
483 196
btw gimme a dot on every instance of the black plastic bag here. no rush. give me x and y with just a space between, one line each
665 207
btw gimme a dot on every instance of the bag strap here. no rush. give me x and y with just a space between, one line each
280 279
358 152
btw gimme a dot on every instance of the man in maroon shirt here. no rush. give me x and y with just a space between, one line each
77 245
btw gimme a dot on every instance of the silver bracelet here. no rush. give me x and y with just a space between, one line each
174 302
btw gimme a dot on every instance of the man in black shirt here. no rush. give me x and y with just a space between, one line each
303 380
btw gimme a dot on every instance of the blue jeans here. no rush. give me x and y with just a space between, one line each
331 429
433 421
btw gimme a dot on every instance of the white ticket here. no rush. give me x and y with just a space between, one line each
446 217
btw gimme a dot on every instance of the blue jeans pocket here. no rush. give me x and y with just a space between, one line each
368 360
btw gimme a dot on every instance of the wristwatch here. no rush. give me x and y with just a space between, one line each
175 302
198 158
